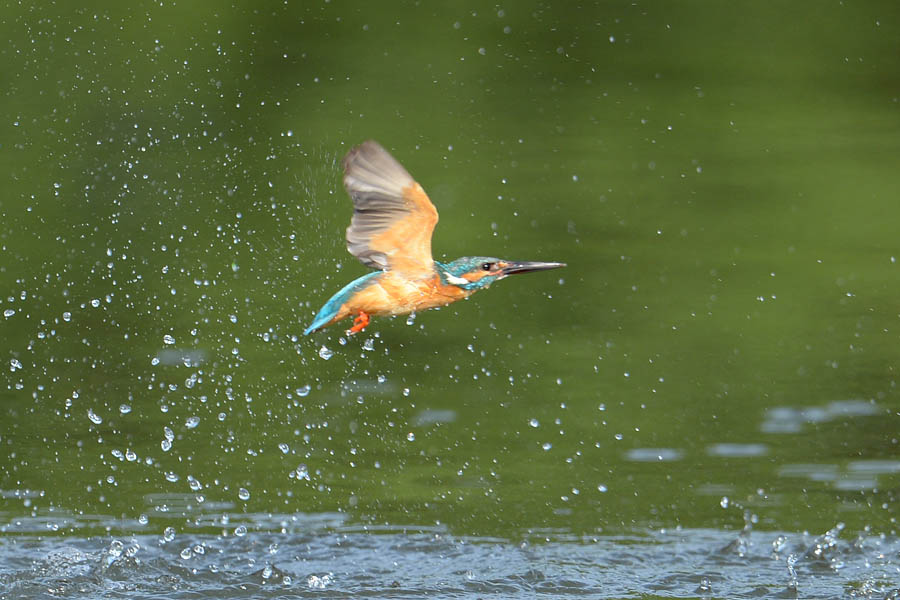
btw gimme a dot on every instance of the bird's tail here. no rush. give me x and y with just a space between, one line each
332 308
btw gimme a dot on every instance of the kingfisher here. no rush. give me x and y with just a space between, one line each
390 231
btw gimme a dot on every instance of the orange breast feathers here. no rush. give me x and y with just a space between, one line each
391 294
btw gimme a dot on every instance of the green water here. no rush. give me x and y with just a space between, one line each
720 178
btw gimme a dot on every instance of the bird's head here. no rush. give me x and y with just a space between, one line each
478 272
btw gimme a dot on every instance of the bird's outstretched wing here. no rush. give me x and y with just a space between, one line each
393 219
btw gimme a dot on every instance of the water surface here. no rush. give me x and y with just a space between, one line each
714 370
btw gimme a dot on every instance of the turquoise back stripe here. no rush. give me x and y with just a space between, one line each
331 308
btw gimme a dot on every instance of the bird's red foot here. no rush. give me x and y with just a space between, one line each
359 323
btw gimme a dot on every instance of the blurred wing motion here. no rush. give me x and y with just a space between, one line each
393 219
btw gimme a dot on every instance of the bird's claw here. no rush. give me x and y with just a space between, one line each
359 323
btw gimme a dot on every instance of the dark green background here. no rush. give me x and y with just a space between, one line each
721 178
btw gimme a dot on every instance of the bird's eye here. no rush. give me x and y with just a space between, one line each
486 266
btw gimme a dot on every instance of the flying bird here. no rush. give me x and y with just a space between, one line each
390 231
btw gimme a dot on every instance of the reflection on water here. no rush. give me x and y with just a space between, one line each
174 356
653 454
855 476
737 450
433 416
785 419
813 472
875 466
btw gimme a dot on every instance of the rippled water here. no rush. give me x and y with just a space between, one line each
310 560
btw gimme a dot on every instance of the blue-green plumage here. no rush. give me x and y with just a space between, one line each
468 264
331 308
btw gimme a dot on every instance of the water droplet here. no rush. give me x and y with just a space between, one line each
302 472
546 446
602 488
318 583
169 534
240 531
124 409
724 502
8 313
284 448
244 494
171 476
192 422
130 455
67 316
94 417
534 423
303 391
410 437
168 339
325 353
186 553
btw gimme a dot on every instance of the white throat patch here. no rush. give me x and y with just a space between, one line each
456 280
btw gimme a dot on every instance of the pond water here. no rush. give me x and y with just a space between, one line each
702 404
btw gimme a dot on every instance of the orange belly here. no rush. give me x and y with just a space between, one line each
389 294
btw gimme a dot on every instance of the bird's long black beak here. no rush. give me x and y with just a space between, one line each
529 266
